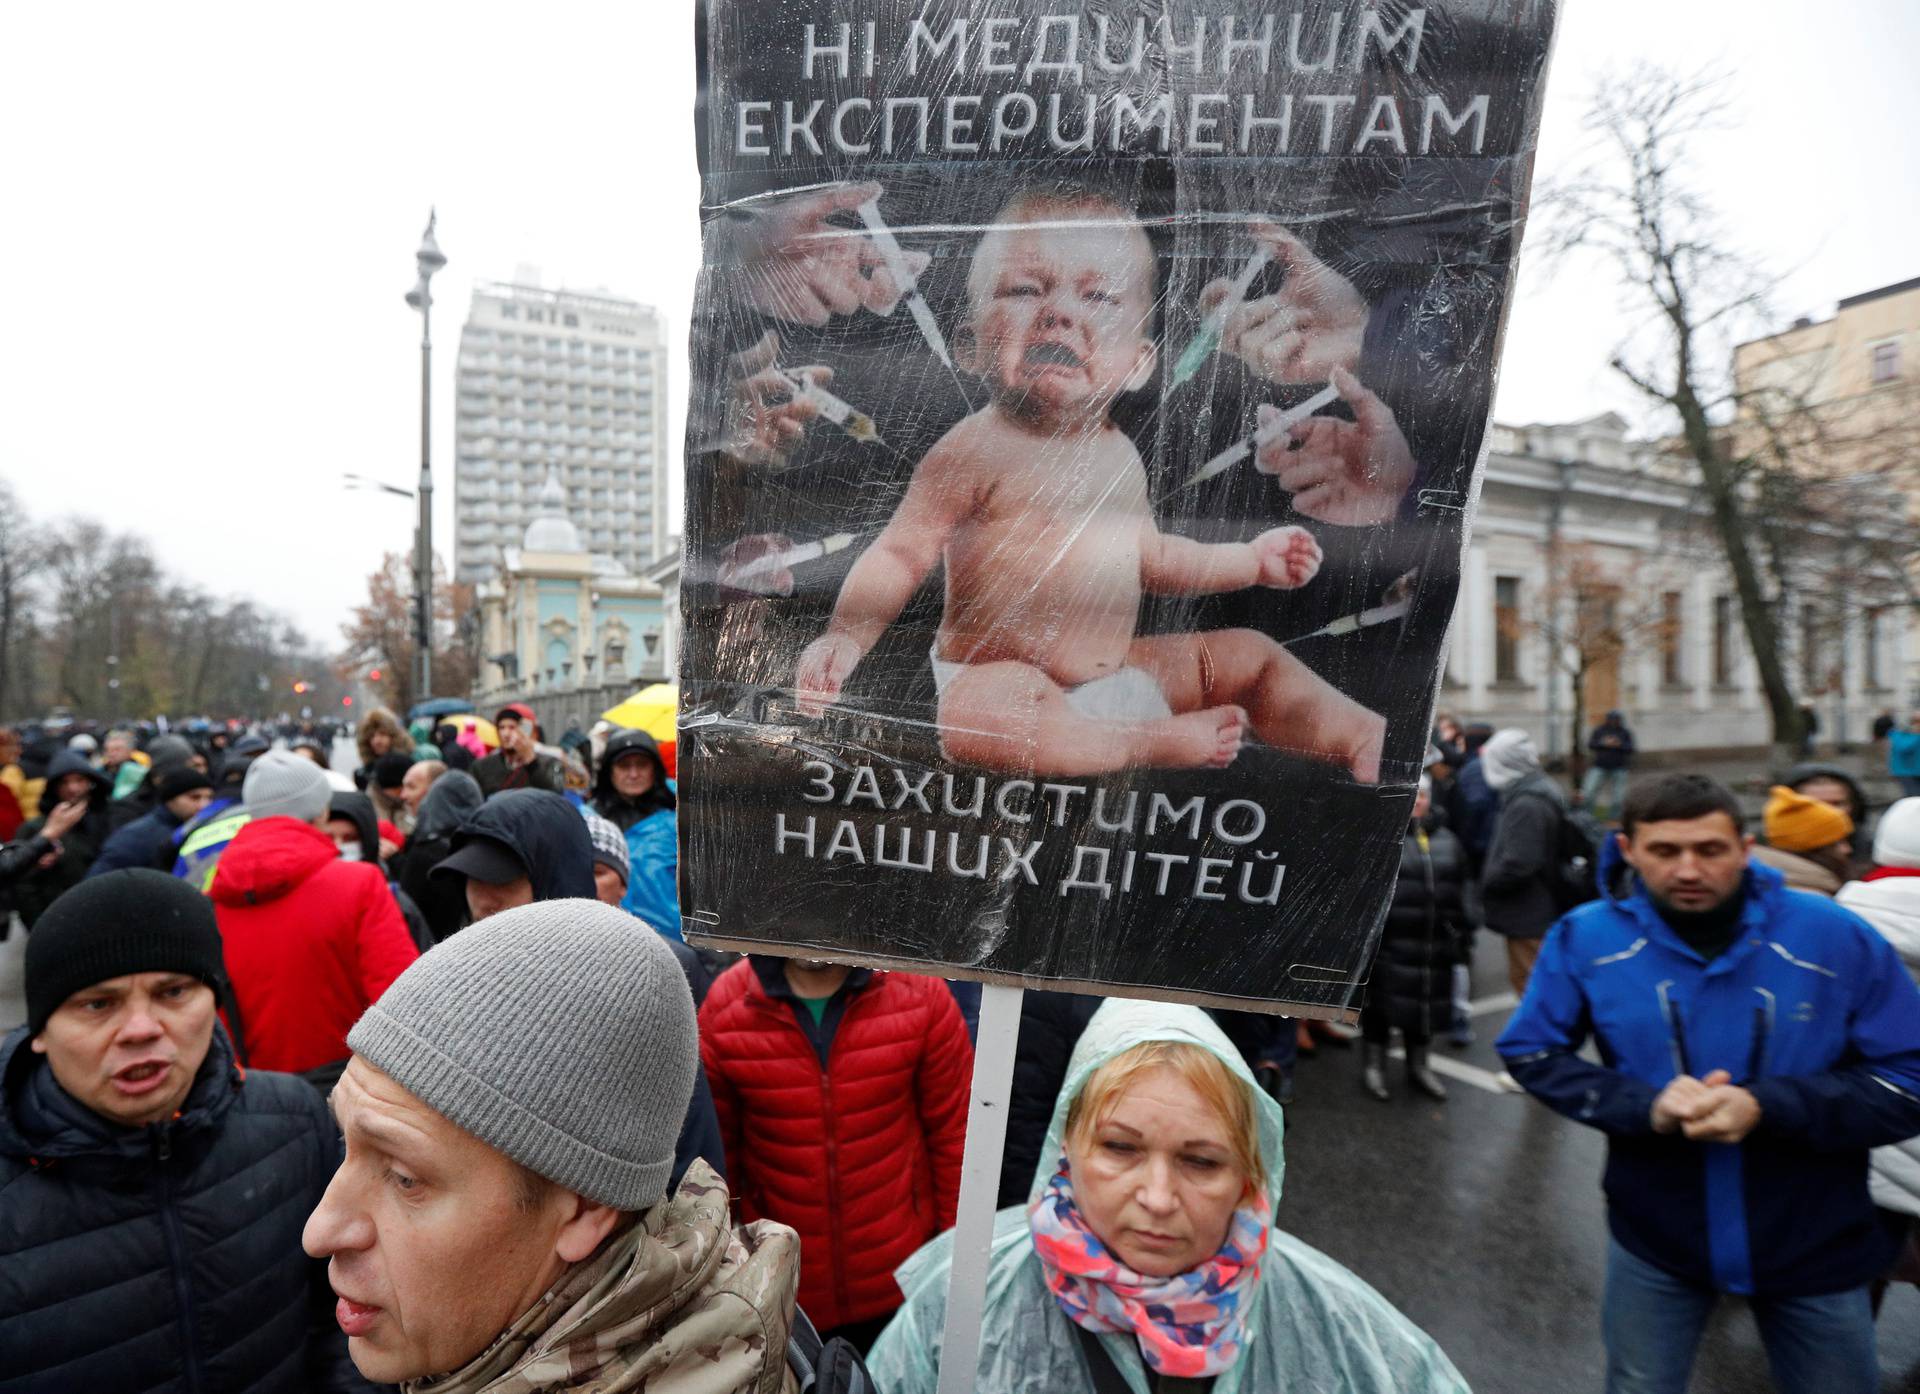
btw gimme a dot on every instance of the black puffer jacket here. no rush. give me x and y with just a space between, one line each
165 1258
1412 978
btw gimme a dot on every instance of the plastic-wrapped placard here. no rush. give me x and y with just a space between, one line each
1087 398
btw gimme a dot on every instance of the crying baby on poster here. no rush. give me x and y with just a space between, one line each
1038 506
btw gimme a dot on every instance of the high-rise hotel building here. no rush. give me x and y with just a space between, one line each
572 381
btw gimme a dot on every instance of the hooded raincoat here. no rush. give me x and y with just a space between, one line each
450 801
1310 1321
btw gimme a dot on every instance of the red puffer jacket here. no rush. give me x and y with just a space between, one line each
860 1154
310 942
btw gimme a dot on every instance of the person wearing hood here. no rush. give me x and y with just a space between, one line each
206 837
180 793
1148 1247
152 1193
1410 985
311 940
632 793
1517 883
1888 898
518 763
504 1220
379 733
1611 746
1754 1043
71 777
357 833
452 798
1809 842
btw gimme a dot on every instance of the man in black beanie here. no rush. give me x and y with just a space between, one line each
151 1192
180 792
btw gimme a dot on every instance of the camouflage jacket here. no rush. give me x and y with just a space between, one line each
681 1302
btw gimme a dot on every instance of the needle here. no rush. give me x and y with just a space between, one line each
794 556
1272 431
842 414
1208 339
909 289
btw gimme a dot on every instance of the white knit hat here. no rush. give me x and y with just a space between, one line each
281 784
1896 842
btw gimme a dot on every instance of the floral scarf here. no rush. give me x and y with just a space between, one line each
1192 1324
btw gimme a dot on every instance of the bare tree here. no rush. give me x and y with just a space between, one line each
381 633
1588 615
1638 209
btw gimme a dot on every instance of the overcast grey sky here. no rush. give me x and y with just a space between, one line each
211 212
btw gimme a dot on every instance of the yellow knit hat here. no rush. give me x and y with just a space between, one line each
1796 823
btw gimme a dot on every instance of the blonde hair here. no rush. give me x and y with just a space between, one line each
1224 1092
1065 202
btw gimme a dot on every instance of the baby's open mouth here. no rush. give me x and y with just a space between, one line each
1052 356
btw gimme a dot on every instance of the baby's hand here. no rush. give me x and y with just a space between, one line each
1288 557
822 670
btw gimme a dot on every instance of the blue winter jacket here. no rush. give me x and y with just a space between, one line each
1809 1009
1903 760
653 892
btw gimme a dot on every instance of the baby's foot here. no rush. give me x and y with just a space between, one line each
1203 739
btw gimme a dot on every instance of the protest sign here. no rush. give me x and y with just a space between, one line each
1087 397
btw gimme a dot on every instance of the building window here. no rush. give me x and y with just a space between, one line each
1506 629
1874 675
1886 361
509 312
1670 634
1723 641
571 321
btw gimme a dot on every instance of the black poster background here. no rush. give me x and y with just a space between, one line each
1428 241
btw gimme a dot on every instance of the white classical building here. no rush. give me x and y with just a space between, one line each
1633 543
555 380
565 626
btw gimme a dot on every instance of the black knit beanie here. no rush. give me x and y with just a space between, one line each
180 779
121 922
391 768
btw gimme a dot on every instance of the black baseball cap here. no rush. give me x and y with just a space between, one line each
484 859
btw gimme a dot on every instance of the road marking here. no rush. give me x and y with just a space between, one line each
1487 1006
1460 1070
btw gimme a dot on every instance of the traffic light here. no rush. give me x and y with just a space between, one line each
300 687
346 701
373 675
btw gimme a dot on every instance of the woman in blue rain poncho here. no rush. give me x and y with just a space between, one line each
1148 1244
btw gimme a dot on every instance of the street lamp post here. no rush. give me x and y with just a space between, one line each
429 260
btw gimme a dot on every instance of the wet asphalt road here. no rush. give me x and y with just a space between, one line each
1482 1219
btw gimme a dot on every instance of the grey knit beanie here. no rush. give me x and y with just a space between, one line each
282 784
559 1033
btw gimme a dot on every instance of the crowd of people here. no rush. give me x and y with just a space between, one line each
334 1082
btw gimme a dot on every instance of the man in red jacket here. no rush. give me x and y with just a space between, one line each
311 941
842 1096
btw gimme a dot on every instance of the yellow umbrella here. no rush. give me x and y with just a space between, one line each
652 709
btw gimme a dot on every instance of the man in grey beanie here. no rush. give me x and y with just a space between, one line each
501 1221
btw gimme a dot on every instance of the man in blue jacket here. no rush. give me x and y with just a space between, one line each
1755 1043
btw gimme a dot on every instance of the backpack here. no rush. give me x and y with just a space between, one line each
1574 877
825 1367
